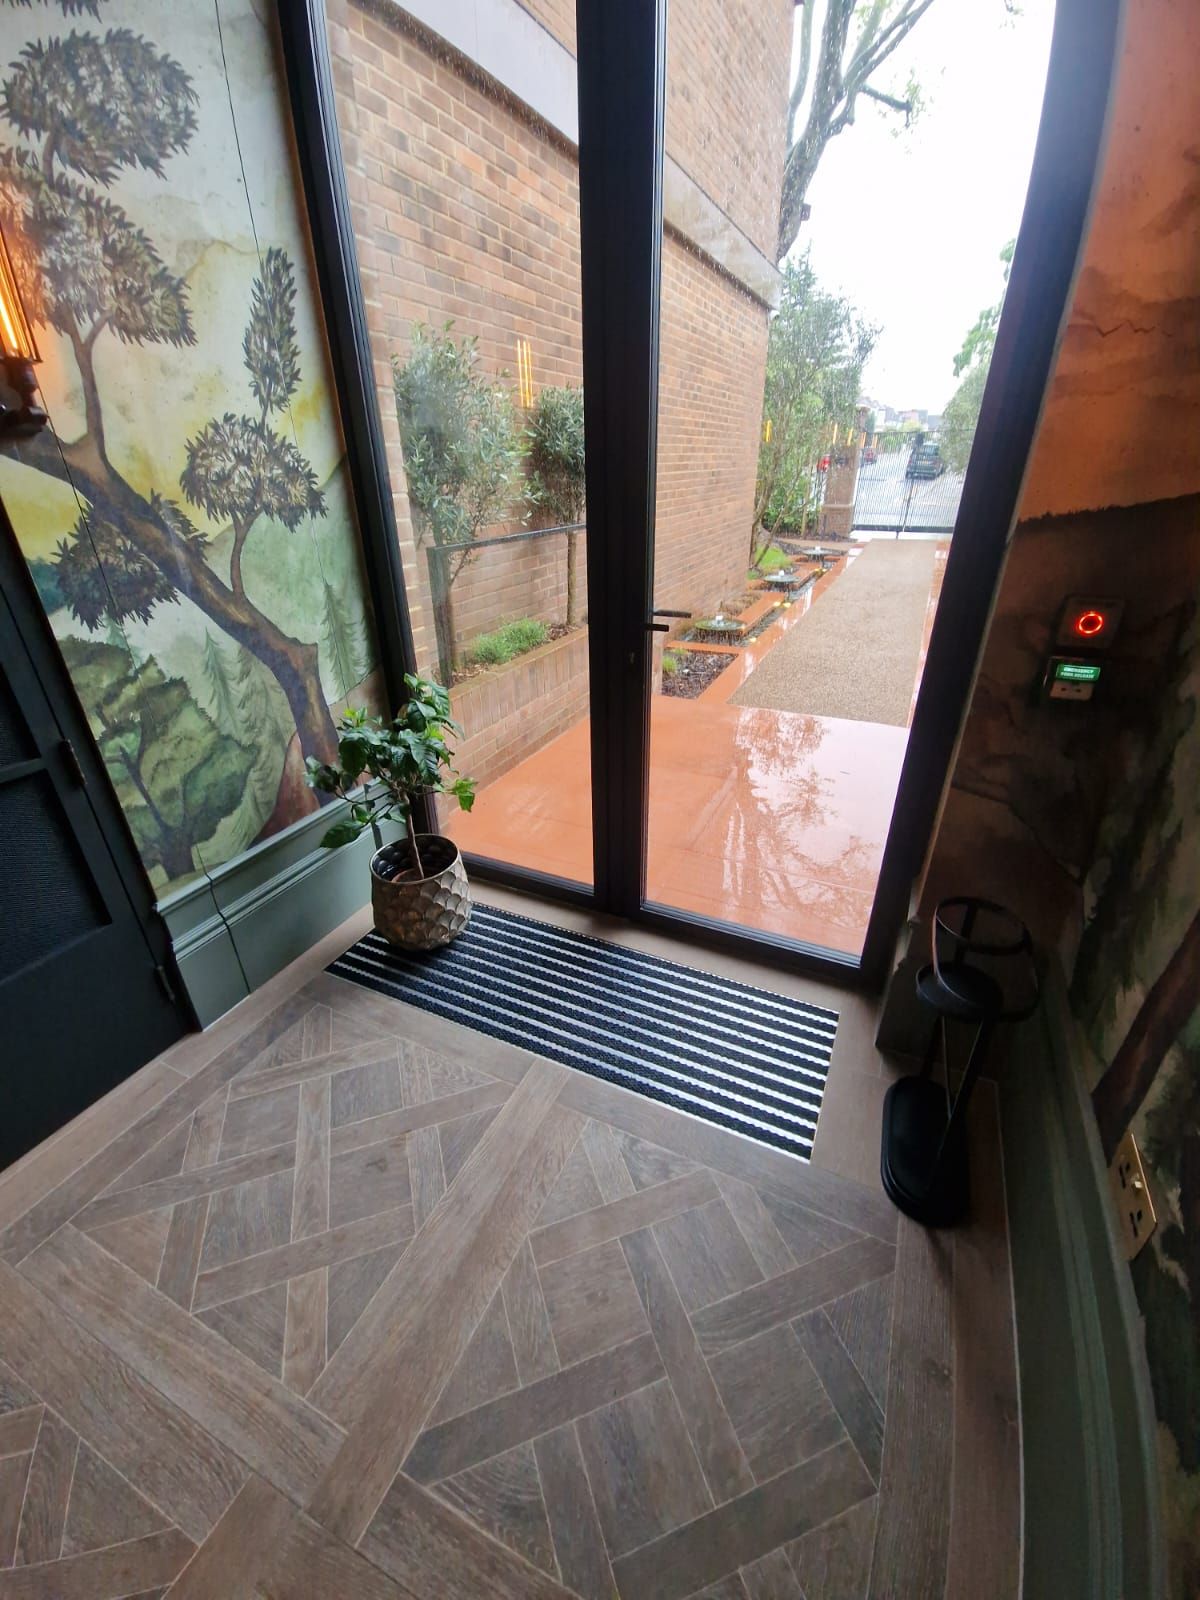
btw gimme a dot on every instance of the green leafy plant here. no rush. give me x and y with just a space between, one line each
557 478
513 639
817 347
670 664
382 768
463 458
770 560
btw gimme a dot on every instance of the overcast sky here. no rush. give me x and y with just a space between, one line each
909 224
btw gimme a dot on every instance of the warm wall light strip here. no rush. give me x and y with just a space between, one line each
525 374
16 337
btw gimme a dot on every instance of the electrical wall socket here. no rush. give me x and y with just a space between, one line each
1136 1220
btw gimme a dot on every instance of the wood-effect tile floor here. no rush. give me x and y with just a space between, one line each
354 1302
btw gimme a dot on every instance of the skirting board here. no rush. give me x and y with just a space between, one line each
1092 1511
237 927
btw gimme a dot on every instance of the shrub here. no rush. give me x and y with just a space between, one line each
463 457
556 485
670 664
513 639
771 560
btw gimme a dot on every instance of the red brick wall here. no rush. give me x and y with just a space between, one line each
728 69
713 356
511 711
465 210
520 578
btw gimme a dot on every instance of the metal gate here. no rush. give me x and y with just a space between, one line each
888 500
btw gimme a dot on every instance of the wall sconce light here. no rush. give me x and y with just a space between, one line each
20 352
525 374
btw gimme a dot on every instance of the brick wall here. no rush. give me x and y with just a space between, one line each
713 358
466 210
511 711
519 578
728 68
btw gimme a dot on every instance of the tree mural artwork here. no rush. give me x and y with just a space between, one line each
175 772
88 106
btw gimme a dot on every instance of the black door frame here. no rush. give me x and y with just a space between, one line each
86 764
622 66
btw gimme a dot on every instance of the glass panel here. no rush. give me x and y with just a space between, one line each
814 425
462 171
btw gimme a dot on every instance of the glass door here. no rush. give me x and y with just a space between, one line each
823 357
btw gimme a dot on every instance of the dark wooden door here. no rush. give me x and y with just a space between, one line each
84 994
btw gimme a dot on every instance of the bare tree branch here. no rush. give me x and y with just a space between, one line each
831 91
886 99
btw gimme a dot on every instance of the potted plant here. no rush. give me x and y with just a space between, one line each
419 889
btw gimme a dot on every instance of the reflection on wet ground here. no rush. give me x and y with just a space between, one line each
772 820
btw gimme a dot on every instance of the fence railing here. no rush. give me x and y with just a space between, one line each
479 584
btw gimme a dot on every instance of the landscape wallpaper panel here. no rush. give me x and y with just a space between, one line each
187 516
1136 990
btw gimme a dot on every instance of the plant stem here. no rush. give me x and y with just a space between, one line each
412 842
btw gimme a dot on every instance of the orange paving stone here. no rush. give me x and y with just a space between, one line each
769 819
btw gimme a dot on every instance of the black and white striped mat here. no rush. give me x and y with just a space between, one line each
743 1058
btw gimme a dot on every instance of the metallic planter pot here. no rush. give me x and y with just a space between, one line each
420 913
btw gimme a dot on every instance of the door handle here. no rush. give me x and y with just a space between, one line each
663 627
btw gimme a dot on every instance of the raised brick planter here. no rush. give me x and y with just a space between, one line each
509 712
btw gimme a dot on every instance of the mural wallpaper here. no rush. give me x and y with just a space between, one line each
186 517
1136 991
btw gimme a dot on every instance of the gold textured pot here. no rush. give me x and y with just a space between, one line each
420 913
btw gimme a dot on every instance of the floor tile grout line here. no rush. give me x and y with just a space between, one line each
846 1348
833 1403
459 1516
28 1478
666 1216
357 1122
62 1532
758 1488
537 1467
103 1549
822 1256
199 1255
185 1081
543 1433
766 1276
195 1172
887 1389
707 1368
240 1261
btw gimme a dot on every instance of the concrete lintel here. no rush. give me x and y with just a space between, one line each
515 51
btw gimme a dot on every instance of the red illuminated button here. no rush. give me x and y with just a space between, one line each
1089 623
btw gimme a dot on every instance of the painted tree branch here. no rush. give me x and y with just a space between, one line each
1160 1020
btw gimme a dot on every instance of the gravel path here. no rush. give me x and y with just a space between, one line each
855 654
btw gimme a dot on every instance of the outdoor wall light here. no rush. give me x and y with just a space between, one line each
20 352
525 374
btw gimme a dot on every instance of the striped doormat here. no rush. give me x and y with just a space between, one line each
740 1057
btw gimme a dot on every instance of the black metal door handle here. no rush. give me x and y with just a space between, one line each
662 627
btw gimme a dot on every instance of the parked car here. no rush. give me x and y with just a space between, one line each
925 461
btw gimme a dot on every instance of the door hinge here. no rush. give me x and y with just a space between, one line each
165 984
73 763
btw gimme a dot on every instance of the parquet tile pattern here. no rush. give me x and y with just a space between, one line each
347 1312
